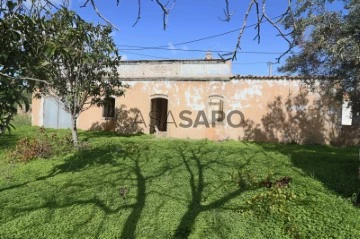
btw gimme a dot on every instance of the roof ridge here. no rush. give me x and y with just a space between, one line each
285 77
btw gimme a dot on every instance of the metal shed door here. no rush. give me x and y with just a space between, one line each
55 115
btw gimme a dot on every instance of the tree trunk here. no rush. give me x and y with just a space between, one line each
74 131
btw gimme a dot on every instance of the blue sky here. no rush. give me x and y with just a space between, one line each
190 20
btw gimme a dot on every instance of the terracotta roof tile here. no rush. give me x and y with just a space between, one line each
254 77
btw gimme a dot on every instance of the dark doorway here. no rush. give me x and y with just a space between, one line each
158 115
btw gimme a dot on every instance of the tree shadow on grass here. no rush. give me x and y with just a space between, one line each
124 160
87 135
73 163
195 166
297 119
133 156
130 225
336 168
7 141
128 162
111 155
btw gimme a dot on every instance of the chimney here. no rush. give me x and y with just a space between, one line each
208 55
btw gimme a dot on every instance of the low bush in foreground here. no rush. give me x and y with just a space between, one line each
43 145
143 187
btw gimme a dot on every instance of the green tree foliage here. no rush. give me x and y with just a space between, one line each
56 53
328 43
22 42
81 60
11 97
322 42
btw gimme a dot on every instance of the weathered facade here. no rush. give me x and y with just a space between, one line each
181 99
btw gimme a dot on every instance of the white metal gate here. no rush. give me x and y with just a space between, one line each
55 115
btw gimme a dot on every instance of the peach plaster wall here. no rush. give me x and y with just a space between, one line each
254 98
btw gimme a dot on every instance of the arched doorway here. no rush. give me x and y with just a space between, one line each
158 115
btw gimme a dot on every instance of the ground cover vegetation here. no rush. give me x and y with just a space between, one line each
145 187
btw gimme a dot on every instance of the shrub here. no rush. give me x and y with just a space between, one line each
275 201
43 146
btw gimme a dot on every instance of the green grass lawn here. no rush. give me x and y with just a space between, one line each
143 187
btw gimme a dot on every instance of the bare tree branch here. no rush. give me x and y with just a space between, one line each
139 13
275 25
259 20
283 54
51 4
227 13
166 11
85 3
283 35
242 29
99 14
261 16
24 78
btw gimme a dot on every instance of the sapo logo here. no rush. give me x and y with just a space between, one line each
186 121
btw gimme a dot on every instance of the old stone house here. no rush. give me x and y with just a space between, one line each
186 98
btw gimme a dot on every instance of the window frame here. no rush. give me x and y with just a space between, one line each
108 111
213 102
